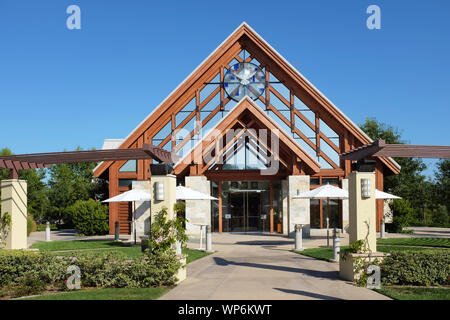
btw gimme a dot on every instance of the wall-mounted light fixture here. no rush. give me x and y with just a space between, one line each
365 188
159 190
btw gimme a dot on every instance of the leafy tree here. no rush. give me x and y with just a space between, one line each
410 183
442 183
89 217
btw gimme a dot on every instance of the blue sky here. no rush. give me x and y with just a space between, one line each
62 88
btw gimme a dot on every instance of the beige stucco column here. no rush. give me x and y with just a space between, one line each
170 183
362 211
142 210
14 201
345 212
198 212
299 209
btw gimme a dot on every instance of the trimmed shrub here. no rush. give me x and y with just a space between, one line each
31 225
422 268
17 265
89 217
25 272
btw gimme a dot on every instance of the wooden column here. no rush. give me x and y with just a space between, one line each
271 205
220 206
380 186
113 191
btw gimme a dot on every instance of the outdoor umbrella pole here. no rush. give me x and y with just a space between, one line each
328 223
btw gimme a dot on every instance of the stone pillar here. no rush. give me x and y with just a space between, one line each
170 184
14 201
345 212
142 210
285 205
198 211
362 211
299 210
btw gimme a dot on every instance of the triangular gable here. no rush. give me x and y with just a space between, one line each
262 120
244 35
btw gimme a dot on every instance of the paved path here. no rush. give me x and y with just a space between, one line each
262 267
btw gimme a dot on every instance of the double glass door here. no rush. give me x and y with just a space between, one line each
245 212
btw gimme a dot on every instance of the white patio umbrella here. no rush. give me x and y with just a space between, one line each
183 193
327 192
132 196
384 195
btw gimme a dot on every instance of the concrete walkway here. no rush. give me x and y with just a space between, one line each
262 267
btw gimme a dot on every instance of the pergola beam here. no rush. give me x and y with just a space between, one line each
43 160
380 149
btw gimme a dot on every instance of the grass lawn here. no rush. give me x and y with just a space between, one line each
106 294
326 254
67 248
425 242
77 245
318 253
416 293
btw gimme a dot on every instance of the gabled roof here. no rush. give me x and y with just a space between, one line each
246 104
255 40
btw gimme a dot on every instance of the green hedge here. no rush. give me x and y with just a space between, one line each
424 268
15 265
89 217
31 225
25 272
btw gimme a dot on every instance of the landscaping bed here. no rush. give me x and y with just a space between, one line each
416 269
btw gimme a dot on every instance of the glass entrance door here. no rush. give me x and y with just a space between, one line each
245 212
246 206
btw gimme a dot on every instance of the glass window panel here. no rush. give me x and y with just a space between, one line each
281 90
212 104
256 62
230 105
324 164
243 54
206 91
300 105
156 142
180 116
326 130
304 128
272 78
334 181
315 213
129 166
126 182
311 116
314 181
232 62
277 103
168 146
260 104
187 147
280 122
306 146
211 123
164 132
330 152
190 106
331 210
186 130
216 78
